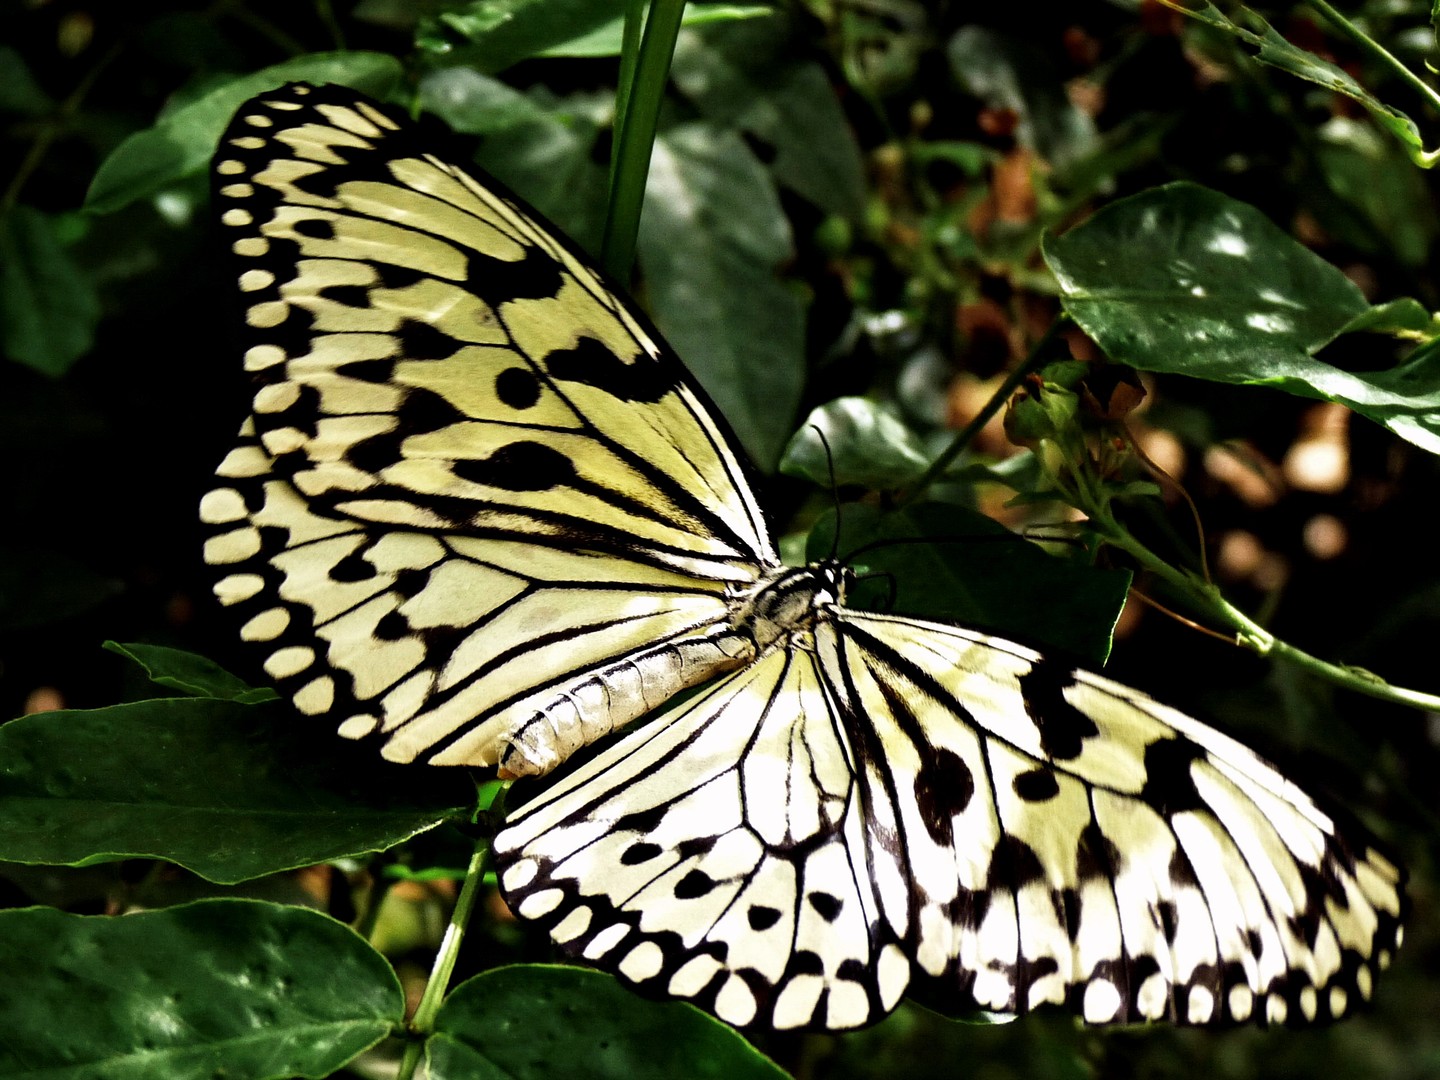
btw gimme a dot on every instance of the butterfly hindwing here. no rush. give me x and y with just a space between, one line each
1025 833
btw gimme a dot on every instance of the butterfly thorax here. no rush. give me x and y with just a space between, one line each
788 601
779 610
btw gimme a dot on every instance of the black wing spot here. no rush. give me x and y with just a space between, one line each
1014 863
762 917
411 583
641 821
590 363
351 296
517 388
694 884
1063 728
1095 855
498 281
1037 785
520 466
315 228
370 371
805 962
352 568
1169 786
944 787
639 852
424 411
826 905
393 627
422 341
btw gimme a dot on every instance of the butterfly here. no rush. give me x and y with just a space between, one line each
480 515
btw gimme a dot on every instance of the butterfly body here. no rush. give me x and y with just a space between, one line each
480 515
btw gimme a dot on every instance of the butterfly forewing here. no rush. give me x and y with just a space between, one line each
479 513
473 490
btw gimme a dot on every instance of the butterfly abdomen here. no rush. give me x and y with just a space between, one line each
615 695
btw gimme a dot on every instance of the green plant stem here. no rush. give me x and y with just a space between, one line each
1376 51
1250 634
997 400
636 136
423 1022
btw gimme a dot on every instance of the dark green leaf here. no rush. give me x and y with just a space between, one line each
489 36
1373 176
182 143
956 565
232 791
48 307
19 92
606 40
1271 48
1010 73
744 76
711 242
869 444
541 148
1402 317
220 988
534 1022
42 587
189 673
1183 279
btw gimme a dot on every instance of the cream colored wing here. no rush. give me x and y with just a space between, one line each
895 798
474 493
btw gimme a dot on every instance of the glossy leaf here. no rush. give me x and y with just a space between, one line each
1272 48
220 988
182 142
711 242
48 306
1183 279
950 563
868 444
534 1022
189 673
229 790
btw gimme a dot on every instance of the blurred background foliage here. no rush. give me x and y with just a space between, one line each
845 198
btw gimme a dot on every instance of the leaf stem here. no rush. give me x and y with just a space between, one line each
640 102
1376 51
1249 634
423 1022
997 400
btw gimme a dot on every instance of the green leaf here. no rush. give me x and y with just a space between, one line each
48 306
1270 48
1371 174
19 92
541 148
489 36
1403 317
869 444
535 1022
220 988
953 564
229 790
39 587
711 242
1009 73
190 674
744 76
1183 279
606 40
182 143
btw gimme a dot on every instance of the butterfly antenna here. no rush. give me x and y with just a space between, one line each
834 491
